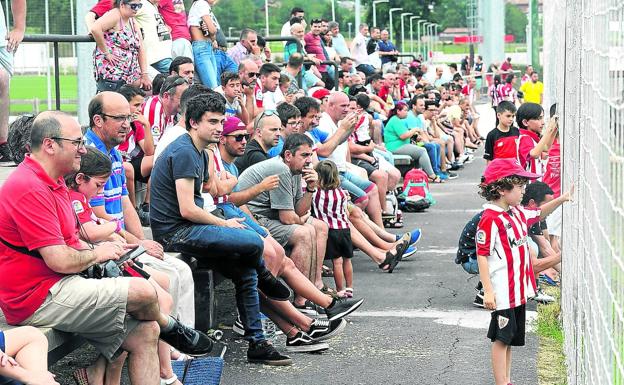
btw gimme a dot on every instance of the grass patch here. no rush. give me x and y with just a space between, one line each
551 369
29 87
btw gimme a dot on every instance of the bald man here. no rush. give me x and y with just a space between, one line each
267 132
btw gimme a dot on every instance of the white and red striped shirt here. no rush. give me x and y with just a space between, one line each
362 129
130 147
502 238
507 92
154 112
218 166
330 206
526 142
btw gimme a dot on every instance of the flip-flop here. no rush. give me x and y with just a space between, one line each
80 376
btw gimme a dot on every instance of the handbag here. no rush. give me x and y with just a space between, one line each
201 370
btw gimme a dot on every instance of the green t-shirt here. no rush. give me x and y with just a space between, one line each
392 132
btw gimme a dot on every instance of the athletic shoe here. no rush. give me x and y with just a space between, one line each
479 288
264 352
144 216
542 297
321 330
462 159
411 250
547 280
416 236
187 340
469 158
478 301
451 175
303 343
272 287
5 156
342 307
308 308
268 327
456 166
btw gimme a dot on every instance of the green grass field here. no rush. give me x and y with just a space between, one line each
33 86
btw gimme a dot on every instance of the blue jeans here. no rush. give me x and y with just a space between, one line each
205 63
433 150
357 187
471 267
237 254
232 211
224 63
163 65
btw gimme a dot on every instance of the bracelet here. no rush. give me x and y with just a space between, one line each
310 191
119 227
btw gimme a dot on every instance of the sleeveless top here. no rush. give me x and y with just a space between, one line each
124 44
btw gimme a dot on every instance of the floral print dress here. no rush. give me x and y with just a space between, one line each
124 44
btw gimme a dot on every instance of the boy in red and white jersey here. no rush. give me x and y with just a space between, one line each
533 143
503 257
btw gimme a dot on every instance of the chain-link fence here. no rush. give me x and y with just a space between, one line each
584 74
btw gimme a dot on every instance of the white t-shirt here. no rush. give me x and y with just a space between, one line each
156 36
199 9
358 50
285 29
3 29
172 133
339 156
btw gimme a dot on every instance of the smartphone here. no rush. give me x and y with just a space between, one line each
131 254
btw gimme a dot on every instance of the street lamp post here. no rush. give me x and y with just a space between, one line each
390 18
403 30
435 36
375 2
266 16
349 24
420 35
412 33
333 4
426 43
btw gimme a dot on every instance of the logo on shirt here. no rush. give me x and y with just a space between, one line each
481 237
78 207
502 322
517 243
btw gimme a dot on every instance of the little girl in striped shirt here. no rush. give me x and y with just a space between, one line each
329 204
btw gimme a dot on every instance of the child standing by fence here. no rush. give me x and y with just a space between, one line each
330 206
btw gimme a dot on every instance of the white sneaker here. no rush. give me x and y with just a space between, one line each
542 297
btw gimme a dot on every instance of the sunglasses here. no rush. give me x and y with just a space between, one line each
178 82
262 115
253 74
134 6
240 137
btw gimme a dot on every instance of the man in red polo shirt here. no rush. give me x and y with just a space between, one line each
41 257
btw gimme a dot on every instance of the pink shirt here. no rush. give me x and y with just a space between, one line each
313 46
175 17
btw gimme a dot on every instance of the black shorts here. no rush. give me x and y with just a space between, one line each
508 326
370 168
339 244
136 165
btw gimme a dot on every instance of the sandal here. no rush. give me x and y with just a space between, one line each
435 180
349 292
329 291
393 259
327 272
169 381
80 376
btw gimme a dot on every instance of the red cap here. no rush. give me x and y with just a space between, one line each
503 167
232 123
320 93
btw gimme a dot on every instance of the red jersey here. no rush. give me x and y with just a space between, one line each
82 208
102 7
38 214
500 144
527 142
552 175
502 238
174 15
130 148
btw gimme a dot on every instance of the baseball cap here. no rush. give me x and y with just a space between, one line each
320 93
503 167
232 123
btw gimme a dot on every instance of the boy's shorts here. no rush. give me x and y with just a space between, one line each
508 326
339 244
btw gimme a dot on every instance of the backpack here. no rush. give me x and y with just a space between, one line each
416 182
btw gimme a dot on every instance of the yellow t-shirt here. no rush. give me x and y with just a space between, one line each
532 91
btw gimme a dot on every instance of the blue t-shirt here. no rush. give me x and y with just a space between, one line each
232 169
115 187
386 47
275 151
319 135
180 160
413 121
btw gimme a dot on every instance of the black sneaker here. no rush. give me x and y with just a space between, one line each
187 340
308 308
5 156
264 353
144 215
478 301
303 343
479 287
451 175
272 287
342 307
322 329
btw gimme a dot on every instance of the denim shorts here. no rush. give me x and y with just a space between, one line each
6 60
2 343
471 266
356 186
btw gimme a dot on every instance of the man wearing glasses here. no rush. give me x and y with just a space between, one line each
290 118
162 109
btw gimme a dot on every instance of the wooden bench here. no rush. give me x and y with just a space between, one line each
403 162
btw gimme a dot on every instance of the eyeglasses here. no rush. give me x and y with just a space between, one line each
119 118
240 137
294 124
168 87
134 6
79 143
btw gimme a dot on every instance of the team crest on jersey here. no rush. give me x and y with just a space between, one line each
78 207
480 237
502 322
156 131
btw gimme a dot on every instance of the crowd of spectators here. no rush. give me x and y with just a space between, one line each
256 170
